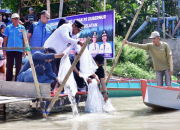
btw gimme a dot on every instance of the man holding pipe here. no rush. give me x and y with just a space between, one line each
160 54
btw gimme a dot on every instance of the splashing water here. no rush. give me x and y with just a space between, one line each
73 101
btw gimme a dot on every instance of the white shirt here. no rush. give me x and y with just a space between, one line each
94 48
106 48
60 39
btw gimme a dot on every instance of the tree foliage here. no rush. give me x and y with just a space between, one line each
125 12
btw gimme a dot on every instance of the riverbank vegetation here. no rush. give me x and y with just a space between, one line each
133 63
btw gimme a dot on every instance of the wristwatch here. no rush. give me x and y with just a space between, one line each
105 92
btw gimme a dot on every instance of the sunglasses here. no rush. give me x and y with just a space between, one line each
46 17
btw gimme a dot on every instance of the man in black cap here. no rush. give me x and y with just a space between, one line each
65 38
94 47
105 47
99 59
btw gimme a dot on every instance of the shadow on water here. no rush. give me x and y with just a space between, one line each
152 111
36 114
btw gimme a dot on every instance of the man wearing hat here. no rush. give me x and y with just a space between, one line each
105 47
30 18
13 38
65 38
94 47
160 54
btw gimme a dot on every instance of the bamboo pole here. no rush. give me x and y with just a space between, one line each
171 65
33 70
119 53
67 75
21 48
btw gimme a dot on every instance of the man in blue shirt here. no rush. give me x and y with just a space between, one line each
13 38
42 66
39 31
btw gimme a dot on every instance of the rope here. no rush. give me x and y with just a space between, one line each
35 90
28 48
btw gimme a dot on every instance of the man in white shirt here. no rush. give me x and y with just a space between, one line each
105 47
94 47
65 38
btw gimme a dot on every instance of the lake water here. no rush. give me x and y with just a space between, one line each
131 114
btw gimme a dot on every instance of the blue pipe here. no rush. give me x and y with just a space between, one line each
154 20
139 30
172 25
167 24
169 19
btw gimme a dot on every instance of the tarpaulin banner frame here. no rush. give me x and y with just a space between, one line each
100 26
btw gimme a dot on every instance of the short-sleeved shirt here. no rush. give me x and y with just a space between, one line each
15 36
30 17
100 72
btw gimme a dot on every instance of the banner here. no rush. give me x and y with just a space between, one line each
100 27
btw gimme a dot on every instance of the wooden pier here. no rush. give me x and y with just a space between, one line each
16 95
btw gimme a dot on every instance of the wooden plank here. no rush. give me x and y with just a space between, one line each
24 89
4 99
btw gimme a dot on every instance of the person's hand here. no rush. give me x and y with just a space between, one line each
89 80
98 81
125 41
57 85
105 97
80 43
171 72
24 54
4 54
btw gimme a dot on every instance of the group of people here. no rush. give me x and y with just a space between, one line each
105 47
57 43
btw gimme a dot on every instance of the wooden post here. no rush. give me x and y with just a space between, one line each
19 8
33 70
67 76
158 17
61 8
171 65
87 6
48 6
119 53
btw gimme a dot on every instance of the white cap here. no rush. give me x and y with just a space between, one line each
154 34
15 15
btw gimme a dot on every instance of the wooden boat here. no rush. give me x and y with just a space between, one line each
160 96
124 87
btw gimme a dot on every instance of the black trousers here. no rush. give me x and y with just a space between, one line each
11 55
